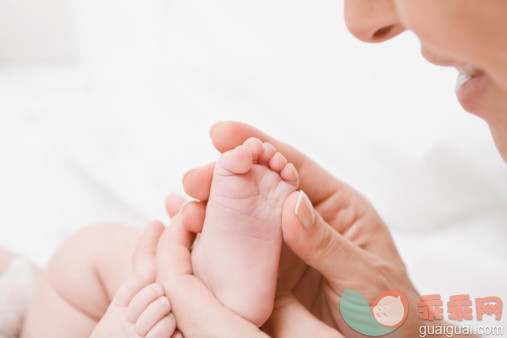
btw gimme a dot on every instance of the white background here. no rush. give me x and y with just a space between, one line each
104 104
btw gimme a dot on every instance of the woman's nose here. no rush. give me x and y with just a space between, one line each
372 20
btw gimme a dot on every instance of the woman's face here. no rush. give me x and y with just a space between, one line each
470 35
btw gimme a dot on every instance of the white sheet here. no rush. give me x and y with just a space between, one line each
106 137
17 287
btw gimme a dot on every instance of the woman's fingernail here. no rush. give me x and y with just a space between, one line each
184 205
304 210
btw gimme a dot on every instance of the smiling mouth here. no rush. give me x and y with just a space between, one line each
471 86
467 73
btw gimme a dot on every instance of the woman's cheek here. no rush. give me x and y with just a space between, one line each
428 19
463 28
447 25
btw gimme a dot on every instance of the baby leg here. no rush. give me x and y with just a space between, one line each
78 285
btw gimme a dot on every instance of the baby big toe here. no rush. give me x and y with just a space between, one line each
255 145
236 161
153 314
142 300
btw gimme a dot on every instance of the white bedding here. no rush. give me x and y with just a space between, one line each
17 287
107 133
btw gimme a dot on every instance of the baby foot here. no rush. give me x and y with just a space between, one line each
139 309
238 251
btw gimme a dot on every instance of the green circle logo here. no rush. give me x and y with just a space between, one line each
387 313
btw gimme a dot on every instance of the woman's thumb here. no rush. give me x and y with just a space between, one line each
314 241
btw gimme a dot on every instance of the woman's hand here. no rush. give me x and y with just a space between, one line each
345 245
197 311
164 254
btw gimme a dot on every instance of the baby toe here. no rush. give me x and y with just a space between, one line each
236 161
152 315
290 174
165 328
142 300
268 150
255 145
277 162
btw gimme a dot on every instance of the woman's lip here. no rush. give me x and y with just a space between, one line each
469 90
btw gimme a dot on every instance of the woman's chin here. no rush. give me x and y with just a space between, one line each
500 137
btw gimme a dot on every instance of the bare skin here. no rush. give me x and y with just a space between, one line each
347 239
351 253
140 307
117 295
80 281
198 312
347 246
478 27
96 261
238 252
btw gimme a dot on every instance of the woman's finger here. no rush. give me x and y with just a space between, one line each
173 250
314 241
197 182
291 319
197 311
317 182
146 249
192 216
173 204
